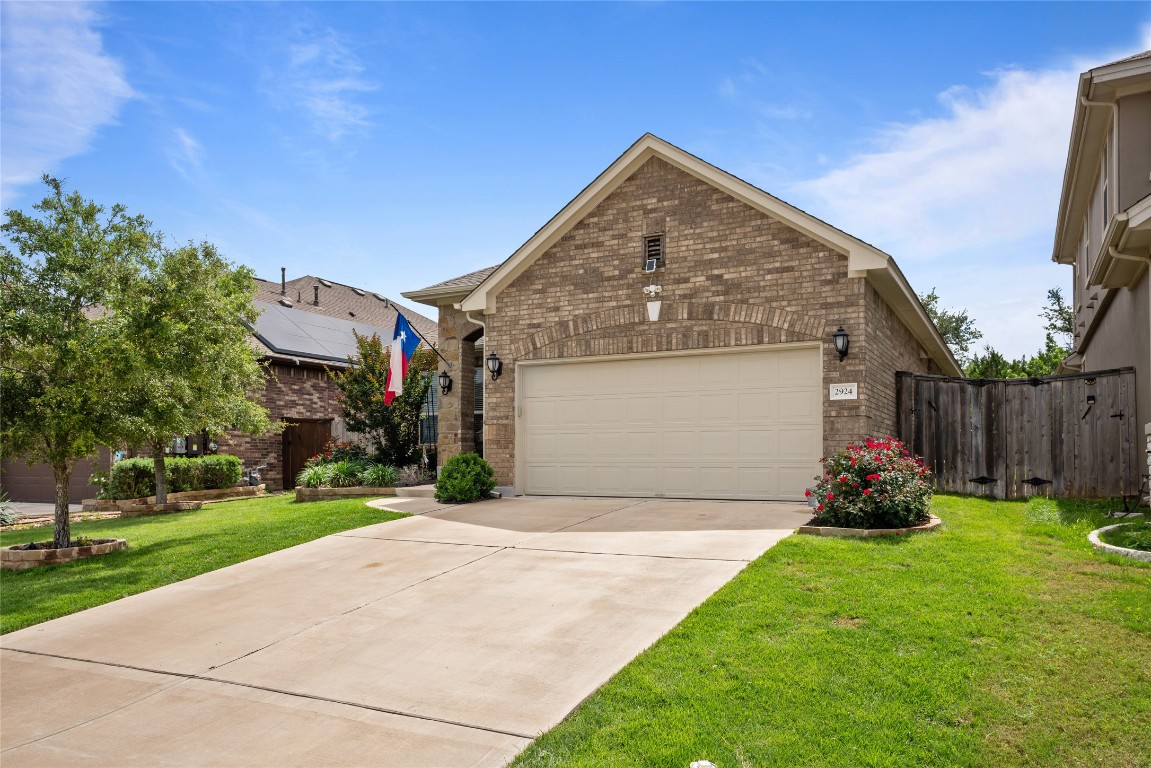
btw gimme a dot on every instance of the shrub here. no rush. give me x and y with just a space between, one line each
344 474
339 450
378 476
131 479
136 478
183 474
7 510
414 475
875 485
220 471
315 476
465 478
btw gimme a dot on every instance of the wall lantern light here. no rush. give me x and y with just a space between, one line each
495 365
445 383
842 342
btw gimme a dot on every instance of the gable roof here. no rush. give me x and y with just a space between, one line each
863 260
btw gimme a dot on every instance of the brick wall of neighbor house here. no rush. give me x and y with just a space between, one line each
733 277
887 347
291 392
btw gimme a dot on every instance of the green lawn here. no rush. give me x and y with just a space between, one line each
1002 640
168 548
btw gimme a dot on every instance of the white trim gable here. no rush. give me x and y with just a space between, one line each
863 260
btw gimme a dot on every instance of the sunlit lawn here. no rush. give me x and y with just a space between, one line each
1002 640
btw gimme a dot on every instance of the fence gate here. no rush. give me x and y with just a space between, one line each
1065 436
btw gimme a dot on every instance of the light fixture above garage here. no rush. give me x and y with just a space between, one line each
842 342
495 365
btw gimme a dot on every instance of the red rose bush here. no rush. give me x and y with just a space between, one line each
875 485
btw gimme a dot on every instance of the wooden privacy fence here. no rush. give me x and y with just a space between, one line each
1065 436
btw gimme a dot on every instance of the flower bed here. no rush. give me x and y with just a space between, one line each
214 494
23 556
878 485
327 494
1097 537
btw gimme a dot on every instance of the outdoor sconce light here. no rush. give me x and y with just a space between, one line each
445 383
842 342
495 365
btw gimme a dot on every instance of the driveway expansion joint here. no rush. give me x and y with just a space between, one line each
185 676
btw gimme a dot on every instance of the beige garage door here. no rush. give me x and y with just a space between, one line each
731 425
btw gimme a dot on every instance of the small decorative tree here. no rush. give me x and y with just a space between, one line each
185 364
393 429
875 485
57 402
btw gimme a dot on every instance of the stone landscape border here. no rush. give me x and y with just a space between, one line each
21 559
1111 549
868 533
211 494
327 494
147 510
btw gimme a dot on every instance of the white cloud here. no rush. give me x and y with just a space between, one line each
324 78
186 155
59 87
987 172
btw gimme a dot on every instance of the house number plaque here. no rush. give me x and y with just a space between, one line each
844 391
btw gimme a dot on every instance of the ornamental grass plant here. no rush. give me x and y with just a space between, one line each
878 484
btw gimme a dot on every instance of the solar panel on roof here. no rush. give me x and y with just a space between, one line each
307 334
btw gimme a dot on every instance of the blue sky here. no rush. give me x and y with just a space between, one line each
392 146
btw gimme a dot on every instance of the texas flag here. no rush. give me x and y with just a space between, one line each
404 343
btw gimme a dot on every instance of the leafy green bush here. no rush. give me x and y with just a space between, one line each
378 476
465 478
344 474
875 485
7 510
136 478
183 474
220 471
315 476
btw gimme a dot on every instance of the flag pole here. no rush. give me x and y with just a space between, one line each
430 345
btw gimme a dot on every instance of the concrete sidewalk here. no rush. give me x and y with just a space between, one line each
452 637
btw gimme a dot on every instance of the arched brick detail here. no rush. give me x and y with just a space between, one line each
795 327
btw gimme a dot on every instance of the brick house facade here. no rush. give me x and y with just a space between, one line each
741 271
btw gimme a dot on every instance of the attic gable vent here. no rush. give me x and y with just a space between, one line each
653 251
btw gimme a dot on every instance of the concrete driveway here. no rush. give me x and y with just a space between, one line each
451 638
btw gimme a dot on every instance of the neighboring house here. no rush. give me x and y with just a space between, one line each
1104 224
715 374
304 330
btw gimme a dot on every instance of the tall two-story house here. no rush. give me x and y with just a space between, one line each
1104 225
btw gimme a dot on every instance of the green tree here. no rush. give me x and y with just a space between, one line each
185 364
1060 317
956 328
57 402
393 429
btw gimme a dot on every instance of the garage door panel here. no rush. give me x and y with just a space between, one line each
799 405
744 424
680 409
678 446
643 409
716 407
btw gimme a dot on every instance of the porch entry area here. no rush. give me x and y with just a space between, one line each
731 424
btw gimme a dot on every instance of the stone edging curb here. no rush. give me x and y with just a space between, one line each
18 560
1111 549
327 494
147 510
211 494
868 533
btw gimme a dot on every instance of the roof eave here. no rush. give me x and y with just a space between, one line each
436 297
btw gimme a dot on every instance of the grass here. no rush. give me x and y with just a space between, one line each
167 548
1003 640
1136 535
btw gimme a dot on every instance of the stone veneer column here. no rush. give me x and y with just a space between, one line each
457 408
